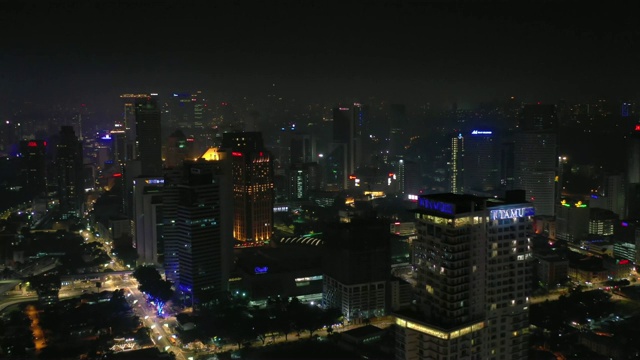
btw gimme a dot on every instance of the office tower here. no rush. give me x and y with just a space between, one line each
572 220
253 189
69 173
397 127
33 170
611 194
148 135
507 165
456 169
345 152
304 178
174 178
357 267
177 149
303 148
147 219
536 157
481 163
473 279
198 242
409 177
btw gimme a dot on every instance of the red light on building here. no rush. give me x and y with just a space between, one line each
352 177
623 262
235 153
32 144
45 143
391 174
117 175
637 128
191 140
260 153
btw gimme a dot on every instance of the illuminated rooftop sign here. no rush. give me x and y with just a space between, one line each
481 132
500 214
439 206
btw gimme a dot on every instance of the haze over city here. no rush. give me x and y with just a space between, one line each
381 179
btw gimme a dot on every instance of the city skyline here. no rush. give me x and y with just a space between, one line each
441 52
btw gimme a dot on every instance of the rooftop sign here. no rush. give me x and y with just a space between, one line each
438 206
481 132
513 213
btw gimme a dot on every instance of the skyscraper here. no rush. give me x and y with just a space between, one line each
69 173
536 157
346 146
473 279
198 241
148 135
456 164
397 129
253 189
481 162
147 218
409 177
33 168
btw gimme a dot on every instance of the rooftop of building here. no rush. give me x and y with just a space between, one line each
450 203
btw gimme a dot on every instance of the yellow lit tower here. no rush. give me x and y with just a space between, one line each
253 191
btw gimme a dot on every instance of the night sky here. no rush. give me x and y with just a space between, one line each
409 51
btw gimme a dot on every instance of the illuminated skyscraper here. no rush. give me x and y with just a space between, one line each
198 228
456 164
253 189
473 279
69 173
409 177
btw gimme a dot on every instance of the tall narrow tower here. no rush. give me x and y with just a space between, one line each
69 173
253 189
198 241
536 156
148 135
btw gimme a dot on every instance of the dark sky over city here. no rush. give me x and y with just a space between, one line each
411 51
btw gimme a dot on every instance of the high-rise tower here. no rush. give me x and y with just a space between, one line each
148 135
481 162
473 281
198 242
147 218
69 173
253 189
456 165
536 157
33 166
345 152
